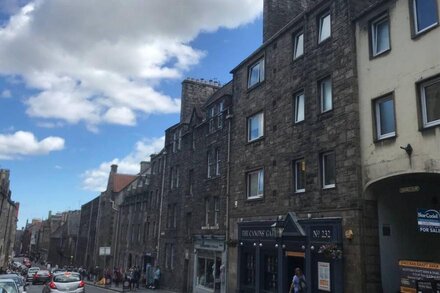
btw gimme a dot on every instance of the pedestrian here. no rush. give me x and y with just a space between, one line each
137 277
149 275
299 284
156 278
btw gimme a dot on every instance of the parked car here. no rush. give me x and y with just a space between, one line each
8 286
67 282
19 281
31 272
41 277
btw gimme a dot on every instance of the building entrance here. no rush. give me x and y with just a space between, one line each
294 259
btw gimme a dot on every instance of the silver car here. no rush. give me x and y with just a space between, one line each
19 281
66 282
31 272
8 286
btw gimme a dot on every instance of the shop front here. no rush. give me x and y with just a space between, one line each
209 262
270 251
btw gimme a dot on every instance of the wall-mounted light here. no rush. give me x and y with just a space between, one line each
349 234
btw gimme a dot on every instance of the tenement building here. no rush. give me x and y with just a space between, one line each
8 219
398 60
296 196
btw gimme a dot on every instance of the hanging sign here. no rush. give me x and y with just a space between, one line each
428 221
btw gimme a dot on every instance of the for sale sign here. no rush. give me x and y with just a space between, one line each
428 221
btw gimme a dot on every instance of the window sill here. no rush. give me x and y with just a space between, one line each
215 227
257 85
299 122
385 139
255 199
255 140
329 187
325 41
299 192
417 35
381 54
429 127
297 59
325 115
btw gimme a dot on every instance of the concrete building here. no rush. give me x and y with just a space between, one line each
8 219
398 63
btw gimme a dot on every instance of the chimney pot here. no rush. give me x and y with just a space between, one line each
114 168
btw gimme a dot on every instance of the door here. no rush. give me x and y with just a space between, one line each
294 259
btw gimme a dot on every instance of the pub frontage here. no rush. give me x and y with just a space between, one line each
269 252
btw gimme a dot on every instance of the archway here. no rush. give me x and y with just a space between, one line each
402 202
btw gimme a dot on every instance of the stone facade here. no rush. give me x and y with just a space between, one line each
8 219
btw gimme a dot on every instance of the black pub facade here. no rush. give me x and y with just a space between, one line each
269 251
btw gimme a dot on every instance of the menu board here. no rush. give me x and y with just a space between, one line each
413 273
324 276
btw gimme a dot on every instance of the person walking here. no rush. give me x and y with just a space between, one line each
156 277
299 284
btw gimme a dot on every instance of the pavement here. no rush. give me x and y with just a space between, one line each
119 288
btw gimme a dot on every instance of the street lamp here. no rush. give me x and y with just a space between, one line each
278 227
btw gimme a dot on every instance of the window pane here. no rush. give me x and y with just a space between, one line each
255 125
329 169
382 36
256 73
299 45
300 175
326 95
260 182
299 108
386 116
426 13
256 183
324 29
432 96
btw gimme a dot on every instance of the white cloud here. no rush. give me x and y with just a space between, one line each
5 94
23 143
96 179
100 63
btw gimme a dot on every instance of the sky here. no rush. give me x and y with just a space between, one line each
86 84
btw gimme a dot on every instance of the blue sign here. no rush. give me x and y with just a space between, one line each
428 221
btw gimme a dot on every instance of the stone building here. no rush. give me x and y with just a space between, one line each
296 186
398 63
8 219
135 245
63 241
85 255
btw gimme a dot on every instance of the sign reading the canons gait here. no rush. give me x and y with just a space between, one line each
412 272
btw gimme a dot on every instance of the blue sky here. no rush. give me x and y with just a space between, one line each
77 96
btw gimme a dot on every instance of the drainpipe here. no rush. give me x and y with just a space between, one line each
161 204
228 175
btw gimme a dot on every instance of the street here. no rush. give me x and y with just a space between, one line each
89 289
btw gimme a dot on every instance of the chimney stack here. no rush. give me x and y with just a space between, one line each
114 168
144 166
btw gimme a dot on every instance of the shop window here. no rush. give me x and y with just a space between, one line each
255 184
325 91
205 272
380 35
248 269
384 117
328 170
256 73
299 175
298 45
299 107
324 27
430 102
270 273
424 15
255 126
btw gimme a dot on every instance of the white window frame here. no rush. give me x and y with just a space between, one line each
172 178
378 122
323 175
216 210
260 64
321 23
295 45
179 140
210 163
220 115
416 24
374 24
260 174
296 106
206 212
321 93
177 177
296 163
423 87
217 162
261 126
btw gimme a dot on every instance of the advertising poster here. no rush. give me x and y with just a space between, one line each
418 272
324 276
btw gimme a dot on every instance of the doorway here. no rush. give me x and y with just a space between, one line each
294 259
